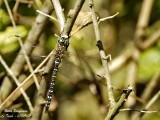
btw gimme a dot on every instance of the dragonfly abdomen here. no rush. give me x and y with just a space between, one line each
52 84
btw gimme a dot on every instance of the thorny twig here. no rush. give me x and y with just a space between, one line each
102 55
115 106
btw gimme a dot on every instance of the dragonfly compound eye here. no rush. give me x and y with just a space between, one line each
66 43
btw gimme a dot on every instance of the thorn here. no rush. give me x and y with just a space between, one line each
108 57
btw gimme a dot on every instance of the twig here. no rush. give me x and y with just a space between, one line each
151 86
121 60
29 2
114 111
17 83
32 38
131 76
143 19
150 41
107 18
71 18
142 24
149 104
21 44
14 95
67 29
47 15
141 111
147 92
114 108
102 54
38 109
59 13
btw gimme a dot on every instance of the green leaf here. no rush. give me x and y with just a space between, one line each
149 63
8 40
4 19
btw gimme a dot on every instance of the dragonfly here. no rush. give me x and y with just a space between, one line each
62 45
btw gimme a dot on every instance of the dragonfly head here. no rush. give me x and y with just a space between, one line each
64 41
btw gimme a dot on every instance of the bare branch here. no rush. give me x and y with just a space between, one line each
38 109
72 15
141 111
151 86
150 41
59 12
132 76
102 54
17 83
114 111
143 19
149 104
